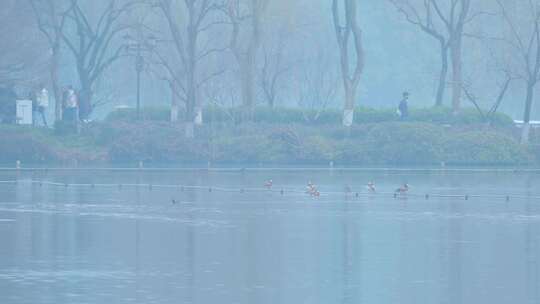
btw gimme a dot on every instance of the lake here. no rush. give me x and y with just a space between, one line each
95 237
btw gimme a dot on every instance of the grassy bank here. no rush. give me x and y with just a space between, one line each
426 141
36 146
390 143
265 115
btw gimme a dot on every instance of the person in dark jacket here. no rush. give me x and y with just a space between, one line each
403 108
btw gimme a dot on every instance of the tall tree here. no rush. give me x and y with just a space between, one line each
95 43
317 83
188 22
444 20
246 18
422 16
344 30
51 18
21 55
274 67
522 35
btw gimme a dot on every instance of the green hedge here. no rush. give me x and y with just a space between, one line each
437 115
31 145
392 143
387 143
484 148
26 146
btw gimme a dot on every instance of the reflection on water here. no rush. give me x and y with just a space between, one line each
132 245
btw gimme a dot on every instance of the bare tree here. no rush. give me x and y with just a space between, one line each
316 84
423 18
444 21
522 34
503 87
273 69
21 55
344 30
94 43
500 75
455 23
246 18
188 22
51 18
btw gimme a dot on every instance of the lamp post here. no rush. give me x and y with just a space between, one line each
137 46
139 66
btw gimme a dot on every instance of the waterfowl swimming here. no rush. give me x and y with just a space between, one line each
310 187
371 187
174 202
403 189
268 184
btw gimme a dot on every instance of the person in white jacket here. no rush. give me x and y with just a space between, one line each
42 103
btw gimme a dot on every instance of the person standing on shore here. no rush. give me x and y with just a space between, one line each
71 106
42 103
403 108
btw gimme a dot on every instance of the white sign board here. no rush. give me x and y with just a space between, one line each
24 112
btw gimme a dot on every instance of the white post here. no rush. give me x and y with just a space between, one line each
198 117
348 118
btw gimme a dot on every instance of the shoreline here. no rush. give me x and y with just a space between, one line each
281 168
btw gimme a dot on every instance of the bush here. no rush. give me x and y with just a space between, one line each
395 144
147 113
436 115
25 146
382 143
390 143
535 143
484 148
155 143
245 149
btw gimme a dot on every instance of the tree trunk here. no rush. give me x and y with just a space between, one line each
190 108
85 101
456 75
247 85
198 116
56 88
174 103
527 115
194 116
190 116
348 112
190 130
85 93
174 112
271 101
442 77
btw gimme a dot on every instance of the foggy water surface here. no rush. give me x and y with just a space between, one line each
133 245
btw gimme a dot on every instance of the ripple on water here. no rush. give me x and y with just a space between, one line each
22 276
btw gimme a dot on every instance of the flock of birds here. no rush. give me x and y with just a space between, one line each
313 191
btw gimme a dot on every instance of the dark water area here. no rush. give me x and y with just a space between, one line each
127 244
